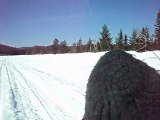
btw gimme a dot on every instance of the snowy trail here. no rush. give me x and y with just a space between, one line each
57 95
40 91
24 95
17 98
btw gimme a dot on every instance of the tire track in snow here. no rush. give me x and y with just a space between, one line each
46 75
15 96
56 108
20 103
34 92
7 111
14 102
45 99
2 62
40 75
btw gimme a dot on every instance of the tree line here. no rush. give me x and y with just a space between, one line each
139 40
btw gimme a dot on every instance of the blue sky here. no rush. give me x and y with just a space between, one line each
38 22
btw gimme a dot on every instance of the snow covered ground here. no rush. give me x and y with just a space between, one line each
50 87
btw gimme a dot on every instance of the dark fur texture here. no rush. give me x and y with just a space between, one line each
121 87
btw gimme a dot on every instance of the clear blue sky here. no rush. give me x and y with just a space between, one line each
38 22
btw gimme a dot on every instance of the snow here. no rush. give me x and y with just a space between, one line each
50 87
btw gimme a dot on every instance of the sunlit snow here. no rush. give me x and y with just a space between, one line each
50 87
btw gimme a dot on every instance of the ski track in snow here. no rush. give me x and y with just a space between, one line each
19 103
39 88
27 101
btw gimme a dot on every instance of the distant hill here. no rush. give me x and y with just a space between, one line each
35 50
7 50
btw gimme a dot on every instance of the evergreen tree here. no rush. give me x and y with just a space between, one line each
134 40
79 48
144 38
90 45
125 42
98 46
147 33
105 40
73 48
63 47
55 45
120 40
157 29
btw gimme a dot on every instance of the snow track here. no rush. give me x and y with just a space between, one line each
23 102
31 94
53 105
34 92
18 102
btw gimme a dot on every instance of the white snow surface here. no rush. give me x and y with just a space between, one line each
50 87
